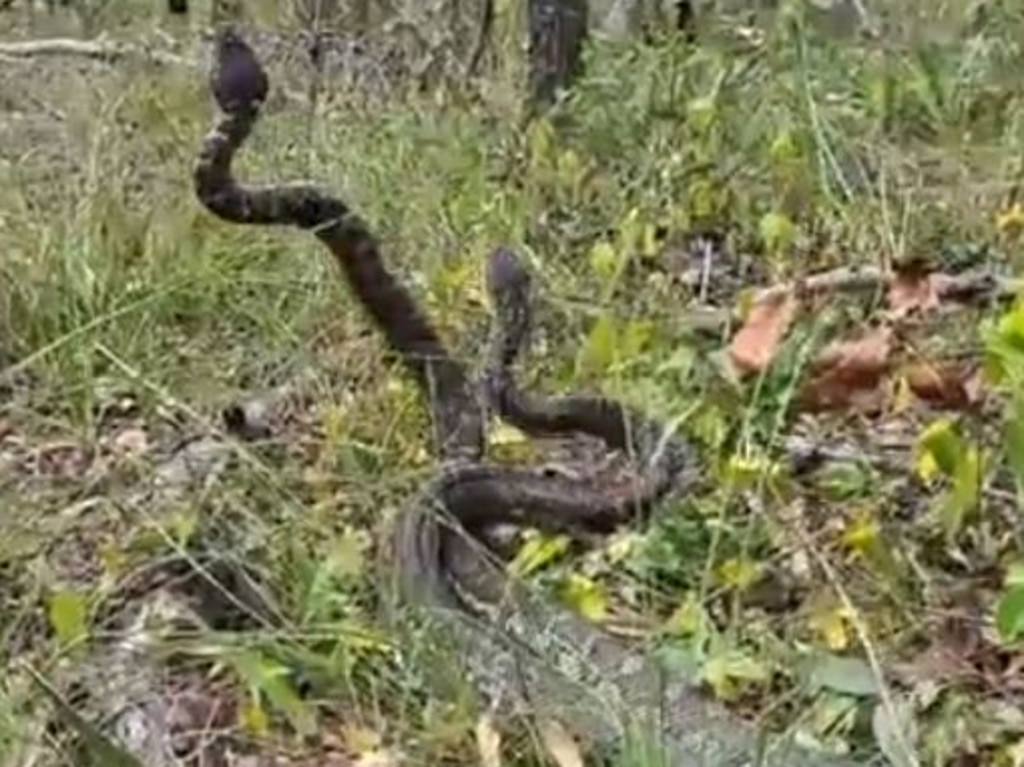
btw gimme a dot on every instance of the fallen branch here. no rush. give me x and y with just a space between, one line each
969 286
91 49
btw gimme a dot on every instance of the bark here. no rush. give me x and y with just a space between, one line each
558 31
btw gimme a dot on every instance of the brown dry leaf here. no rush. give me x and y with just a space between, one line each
849 373
913 287
943 385
560 745
755 345
488 742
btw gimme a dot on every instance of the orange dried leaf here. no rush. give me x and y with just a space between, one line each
865 359
755 345
942 385
849 373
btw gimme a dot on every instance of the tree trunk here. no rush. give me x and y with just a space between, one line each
558 30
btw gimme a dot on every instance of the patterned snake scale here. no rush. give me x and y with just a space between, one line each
523 652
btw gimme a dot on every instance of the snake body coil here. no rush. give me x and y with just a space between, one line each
529 654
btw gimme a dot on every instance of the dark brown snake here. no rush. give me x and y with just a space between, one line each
524 652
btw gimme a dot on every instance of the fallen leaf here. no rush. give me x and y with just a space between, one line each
943 385
755 345
560 744
848 373
912 287
488 742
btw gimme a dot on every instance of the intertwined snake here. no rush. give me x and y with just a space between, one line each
523 651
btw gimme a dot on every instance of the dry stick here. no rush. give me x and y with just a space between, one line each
90 49
962 287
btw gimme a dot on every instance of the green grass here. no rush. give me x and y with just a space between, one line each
116 286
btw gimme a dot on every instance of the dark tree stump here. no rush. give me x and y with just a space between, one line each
558 30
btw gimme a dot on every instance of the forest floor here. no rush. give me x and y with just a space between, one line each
856 548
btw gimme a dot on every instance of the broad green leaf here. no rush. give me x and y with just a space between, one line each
738 572
777 232
598 351
850 676
538 551
269 678
631 230
748 472
687 619
1004 347
1015 574
942 445
586 596
724 669
964 496
1010 614
540 143
634 338
252 717
783 148
67 611
604 261
829 621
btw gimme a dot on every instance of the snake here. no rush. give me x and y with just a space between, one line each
526 654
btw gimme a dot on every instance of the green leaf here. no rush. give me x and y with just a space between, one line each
777 231
943 445
585 596
540 143
1014 432
635 337
1004 347
598 351
1015 574
965 495
538 551
604 261
850 676
723 669
270 679
67 612
1010 614
783 148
